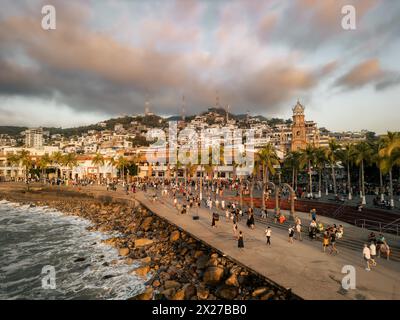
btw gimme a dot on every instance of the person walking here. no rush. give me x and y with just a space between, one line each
227 215
235 228
291 234
240 240
213 224
332 240
325 241
372 249
264 214
367 257
298 232
268 235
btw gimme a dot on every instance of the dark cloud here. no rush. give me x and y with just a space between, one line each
310 24
368 72
87 70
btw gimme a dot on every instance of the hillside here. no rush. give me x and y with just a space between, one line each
149 120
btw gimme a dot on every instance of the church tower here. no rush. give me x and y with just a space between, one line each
299 135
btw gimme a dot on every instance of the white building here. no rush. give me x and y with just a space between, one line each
34 138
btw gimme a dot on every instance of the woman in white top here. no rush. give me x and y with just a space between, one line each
367 256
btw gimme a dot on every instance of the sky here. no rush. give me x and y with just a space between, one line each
107 57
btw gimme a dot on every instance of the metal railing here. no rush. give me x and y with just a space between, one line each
339 211
373 225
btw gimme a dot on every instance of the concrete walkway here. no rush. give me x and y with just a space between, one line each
301 266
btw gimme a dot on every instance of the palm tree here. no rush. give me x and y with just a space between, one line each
112 163
13 161
70 161
347 155
292 161
22 158
43 163
97 161
379 161
57 160
308 159
267 158
387 167
332 157
320 161
363 154
390 154
122 163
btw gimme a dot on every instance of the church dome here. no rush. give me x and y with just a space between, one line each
298 108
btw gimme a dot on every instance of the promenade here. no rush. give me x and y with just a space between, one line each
301 266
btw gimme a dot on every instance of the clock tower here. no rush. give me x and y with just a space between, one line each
299 136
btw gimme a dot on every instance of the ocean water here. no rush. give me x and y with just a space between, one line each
47 255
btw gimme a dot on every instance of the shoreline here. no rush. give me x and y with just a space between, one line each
173 265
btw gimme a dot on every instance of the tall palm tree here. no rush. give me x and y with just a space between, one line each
363 155
97 161
267 159
390 153
13 161
320 162
122 163
379 160
23 158
57 160
347 155
387 167
112 163
332 157
292 161
43 163
308 159
70 160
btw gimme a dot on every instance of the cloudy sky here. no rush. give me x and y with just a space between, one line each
106 57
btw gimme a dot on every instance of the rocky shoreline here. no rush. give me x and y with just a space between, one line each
173 265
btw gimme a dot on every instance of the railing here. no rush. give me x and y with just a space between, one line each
338 211
378 226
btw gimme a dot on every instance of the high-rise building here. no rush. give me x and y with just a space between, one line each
34 138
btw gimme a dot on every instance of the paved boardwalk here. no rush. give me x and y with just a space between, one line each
301 266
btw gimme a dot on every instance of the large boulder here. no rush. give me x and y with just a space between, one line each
232 281
227 292
202 293
201 262
190 291
145 261
146 224
268 296
142 271
174 236
259 291
123 252
143 242
179 295
171 284
213 275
